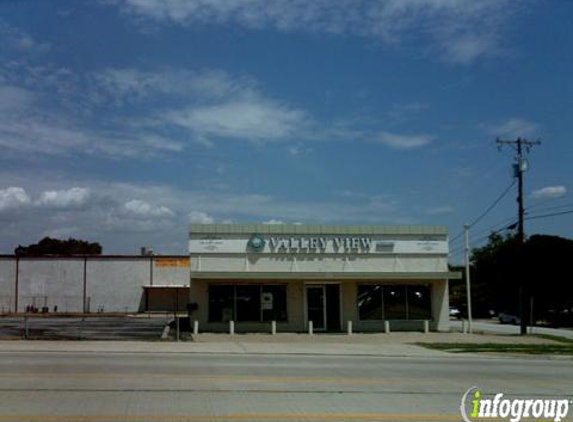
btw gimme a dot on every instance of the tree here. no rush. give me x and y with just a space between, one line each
501 267
49 246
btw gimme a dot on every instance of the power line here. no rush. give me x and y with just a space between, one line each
457 251
492 206
556 207
554 214
567 196
504 222
486 212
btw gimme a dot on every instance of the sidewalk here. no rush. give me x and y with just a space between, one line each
394 344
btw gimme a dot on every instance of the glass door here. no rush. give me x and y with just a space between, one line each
316 306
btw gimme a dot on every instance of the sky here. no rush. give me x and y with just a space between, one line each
123 121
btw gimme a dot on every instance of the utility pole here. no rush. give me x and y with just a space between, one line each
519 168
468 288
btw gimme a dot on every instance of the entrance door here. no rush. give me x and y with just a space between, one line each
316 306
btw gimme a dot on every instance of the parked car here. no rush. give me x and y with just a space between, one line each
508 318
455 312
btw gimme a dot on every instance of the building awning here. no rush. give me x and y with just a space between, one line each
166 286
303 276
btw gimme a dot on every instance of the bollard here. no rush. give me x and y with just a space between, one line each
195 328
349 328
387 327
426 326
310 328
464 326
232 328
273 327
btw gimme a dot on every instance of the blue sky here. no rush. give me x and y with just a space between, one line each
122 121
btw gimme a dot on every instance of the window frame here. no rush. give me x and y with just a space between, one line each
407 293
260 287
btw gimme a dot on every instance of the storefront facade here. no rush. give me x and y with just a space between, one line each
256 274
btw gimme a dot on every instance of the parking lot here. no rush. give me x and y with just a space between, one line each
86 328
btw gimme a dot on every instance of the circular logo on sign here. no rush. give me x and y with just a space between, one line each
256 243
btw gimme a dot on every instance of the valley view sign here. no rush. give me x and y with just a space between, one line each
312 244
320 244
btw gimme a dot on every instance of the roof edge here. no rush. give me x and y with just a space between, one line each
277 229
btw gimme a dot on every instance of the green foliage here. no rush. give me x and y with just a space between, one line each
49 246
533 349
541 266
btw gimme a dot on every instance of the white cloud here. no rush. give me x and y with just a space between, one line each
256 119
14 98
463 30
198 217
273 221
549 192
13 198
514 127
212 106
122 225
132 84
465 50
439 210
39 132
406 110
14 39
145 209
403 141
74 197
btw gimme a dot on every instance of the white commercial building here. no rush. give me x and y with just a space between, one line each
373 276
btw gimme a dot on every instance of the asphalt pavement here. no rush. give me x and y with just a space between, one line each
256 381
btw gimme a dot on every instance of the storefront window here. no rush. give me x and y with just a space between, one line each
419 302
377 302
370 302
221 303
274 302
247 303
395 302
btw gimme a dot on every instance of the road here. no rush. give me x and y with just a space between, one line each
495 327
146 386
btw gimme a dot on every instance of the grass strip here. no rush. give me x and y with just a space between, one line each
532 349
555 338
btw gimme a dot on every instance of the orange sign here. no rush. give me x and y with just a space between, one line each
172 262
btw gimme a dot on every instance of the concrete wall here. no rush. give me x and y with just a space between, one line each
117 286
7 284
111 284
319 263
175 275
51 283
441 306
